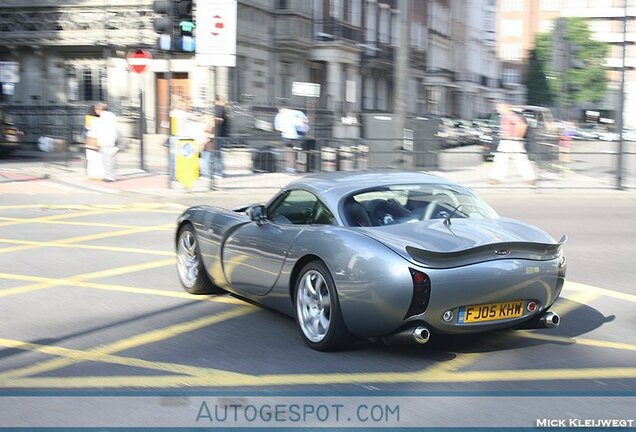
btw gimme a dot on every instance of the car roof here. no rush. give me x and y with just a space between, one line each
337 184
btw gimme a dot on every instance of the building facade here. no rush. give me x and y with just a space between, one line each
72 54
520 20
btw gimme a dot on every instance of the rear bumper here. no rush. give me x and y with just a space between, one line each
488 283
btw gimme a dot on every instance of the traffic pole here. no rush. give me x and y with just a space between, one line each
142 124
621 107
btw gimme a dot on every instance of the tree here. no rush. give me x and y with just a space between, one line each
583 79
537 79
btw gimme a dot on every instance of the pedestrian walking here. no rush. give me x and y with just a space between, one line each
565 142
94 163
221 132
106 134
291 124
511 146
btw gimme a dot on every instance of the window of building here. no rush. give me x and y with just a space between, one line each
72 85
546 26
512 5
86 82
285 80
576 4
382 95
511 52
103 84
511 27
282 4
355 13
371 20
511 76
385 20
395 27
550 5
602 26
368 95
336 8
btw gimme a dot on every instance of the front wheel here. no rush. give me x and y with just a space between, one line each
318 312
190 266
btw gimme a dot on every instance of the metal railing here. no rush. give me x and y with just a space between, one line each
273 165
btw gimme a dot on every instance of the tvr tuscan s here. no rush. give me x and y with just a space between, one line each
392 255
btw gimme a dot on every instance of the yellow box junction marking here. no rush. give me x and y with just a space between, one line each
74 223
83 238
78 278
85 246
128 343
602 291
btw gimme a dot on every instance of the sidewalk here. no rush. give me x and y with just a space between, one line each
239 180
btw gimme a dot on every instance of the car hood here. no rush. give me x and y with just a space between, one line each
434 243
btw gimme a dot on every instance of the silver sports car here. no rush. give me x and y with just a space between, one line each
389 255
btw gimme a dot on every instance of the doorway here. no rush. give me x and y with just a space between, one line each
180 92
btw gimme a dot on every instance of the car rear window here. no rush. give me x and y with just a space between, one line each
395 204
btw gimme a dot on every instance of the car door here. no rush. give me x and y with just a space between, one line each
253 255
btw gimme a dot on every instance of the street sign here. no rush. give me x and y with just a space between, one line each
9 72
305 89
216 33
138 60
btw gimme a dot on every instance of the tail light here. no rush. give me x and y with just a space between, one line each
421 293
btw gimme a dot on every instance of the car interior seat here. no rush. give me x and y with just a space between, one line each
356 214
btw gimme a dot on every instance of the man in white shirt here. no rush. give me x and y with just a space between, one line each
287 122
106 134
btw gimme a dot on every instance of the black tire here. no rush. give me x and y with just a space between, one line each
337 335
190 269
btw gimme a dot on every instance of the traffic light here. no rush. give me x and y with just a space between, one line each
186 25
163 23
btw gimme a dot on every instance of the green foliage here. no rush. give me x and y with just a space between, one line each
588 83
539 92
584 81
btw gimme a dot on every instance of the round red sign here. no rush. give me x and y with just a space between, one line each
138 60
217 25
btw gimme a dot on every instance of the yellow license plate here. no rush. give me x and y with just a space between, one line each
490 312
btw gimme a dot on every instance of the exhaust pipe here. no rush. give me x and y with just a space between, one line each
415 335
550 320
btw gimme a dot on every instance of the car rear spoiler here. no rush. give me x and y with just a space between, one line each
490 252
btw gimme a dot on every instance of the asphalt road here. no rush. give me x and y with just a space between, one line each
90 300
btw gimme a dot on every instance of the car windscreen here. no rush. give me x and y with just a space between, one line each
396 204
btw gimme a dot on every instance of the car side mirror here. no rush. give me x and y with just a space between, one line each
257 213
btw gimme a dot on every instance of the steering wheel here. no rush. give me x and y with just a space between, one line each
437 202
382 214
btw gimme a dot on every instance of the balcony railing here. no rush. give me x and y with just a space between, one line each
381 52
332 29
293 28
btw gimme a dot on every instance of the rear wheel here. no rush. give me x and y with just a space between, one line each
190 268
318 312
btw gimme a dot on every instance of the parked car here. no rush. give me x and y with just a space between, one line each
390 255
629 134
542 135
10 136
595 132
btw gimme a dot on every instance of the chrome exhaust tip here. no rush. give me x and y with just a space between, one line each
421 335
550 320
414 335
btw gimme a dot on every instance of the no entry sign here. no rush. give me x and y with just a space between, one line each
138 60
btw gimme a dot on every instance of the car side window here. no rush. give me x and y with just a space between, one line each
322 215
296 208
